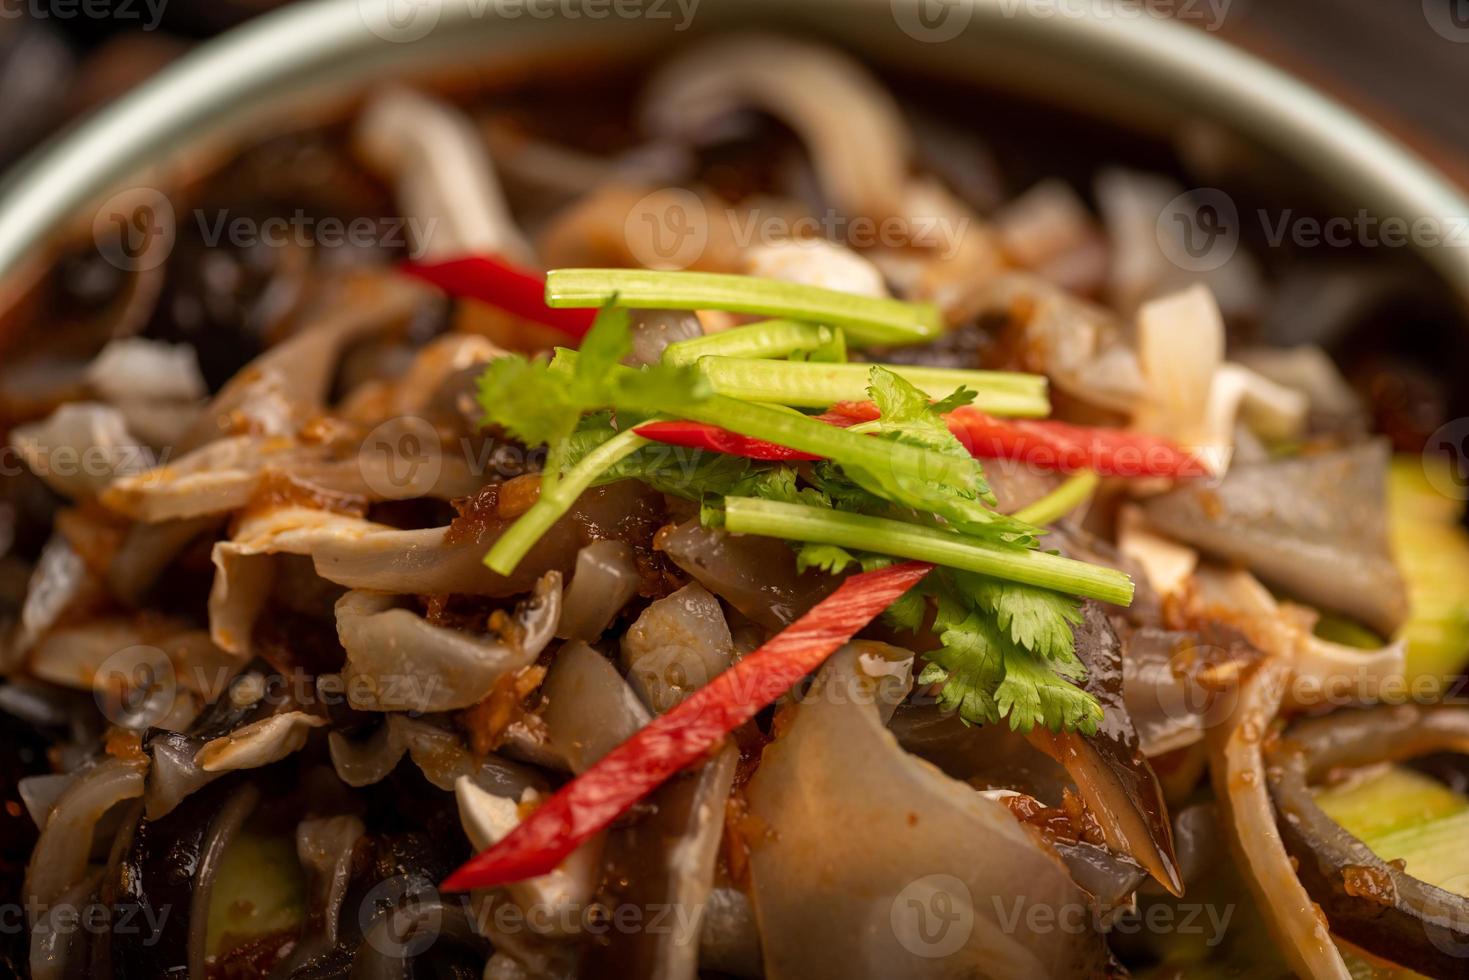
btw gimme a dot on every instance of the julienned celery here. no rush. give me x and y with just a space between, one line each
786 427
797 522
867 320
1060 501
810 385
521 536
768 338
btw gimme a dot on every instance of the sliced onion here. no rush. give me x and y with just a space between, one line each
606 577
445 179
1237 766
816 262
849 123
61 855
755 575
679 644
259 743
589 709
139 369
397 661
80 448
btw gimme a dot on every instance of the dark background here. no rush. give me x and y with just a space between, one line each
60 58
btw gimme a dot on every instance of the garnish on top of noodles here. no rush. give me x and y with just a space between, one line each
897 485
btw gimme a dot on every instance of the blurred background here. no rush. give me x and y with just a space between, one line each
1386 58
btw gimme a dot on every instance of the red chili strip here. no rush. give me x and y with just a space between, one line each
698 435
510 287
685 735
1051 445
1058 446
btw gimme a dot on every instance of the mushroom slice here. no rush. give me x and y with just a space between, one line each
1314 526
445 180
850 125
589 709
259 743
361 554
289 383
1373 903
397 661
870 844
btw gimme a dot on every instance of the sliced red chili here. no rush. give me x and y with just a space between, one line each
698 435
686 734
502 284
1052 445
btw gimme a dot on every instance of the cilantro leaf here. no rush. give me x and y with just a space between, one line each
542 403
1040 620
1006 655
907 416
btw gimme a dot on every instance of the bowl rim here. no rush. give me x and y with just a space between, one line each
330 43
